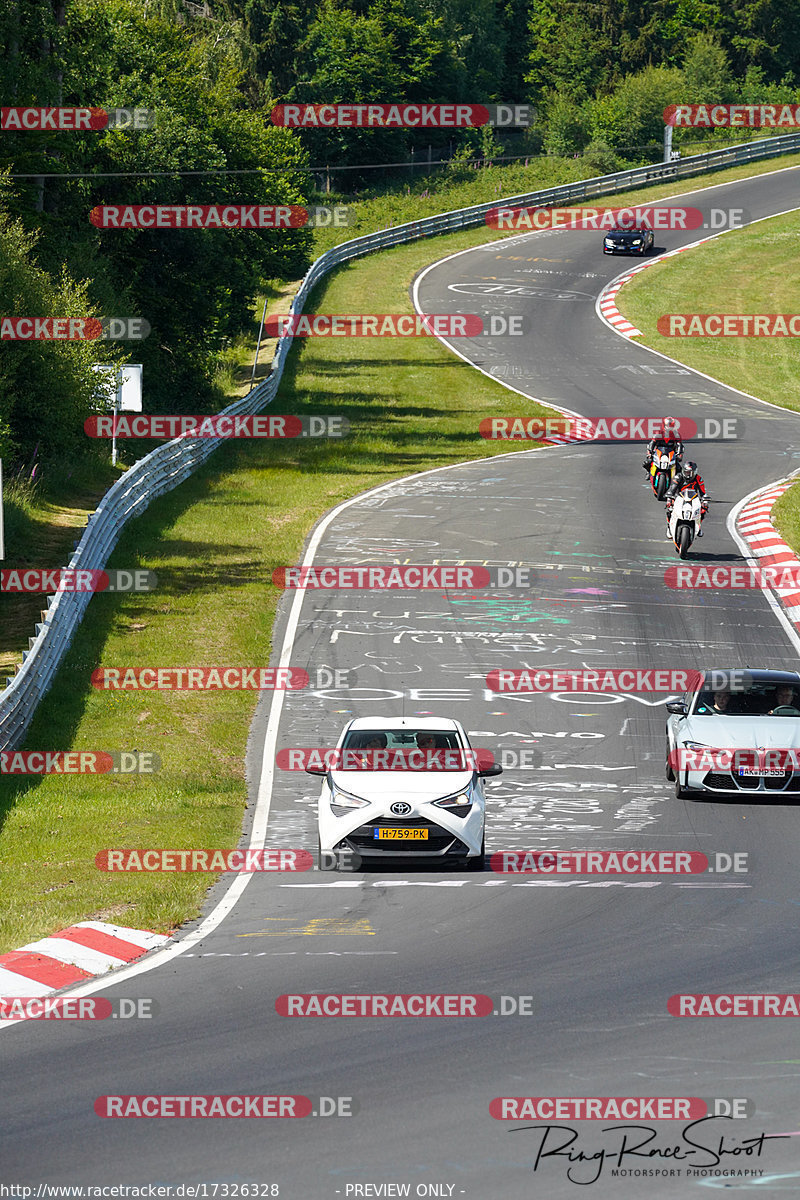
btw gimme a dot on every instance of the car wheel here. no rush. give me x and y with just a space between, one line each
668 769
682 793
479 862
324 862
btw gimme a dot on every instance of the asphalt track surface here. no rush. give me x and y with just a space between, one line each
600 956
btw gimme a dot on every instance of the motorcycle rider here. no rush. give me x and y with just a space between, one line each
665 441
686 477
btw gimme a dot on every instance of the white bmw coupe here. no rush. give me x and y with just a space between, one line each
738 738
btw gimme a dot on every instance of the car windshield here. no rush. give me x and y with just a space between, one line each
401 739
627 229
761 700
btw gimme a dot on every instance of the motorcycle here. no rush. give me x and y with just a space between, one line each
684 520
663 467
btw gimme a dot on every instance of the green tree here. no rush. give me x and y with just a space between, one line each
193 287
272 33
46 387
568 55
567 127
707 72
631 119
419 46
349 59
763 33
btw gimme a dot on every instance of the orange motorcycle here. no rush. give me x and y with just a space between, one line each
664 465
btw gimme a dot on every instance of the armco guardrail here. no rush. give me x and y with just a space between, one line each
175 461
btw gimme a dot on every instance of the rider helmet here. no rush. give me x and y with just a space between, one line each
688 471
670 425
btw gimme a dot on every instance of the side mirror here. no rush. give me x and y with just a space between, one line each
316 771
494 769
678 707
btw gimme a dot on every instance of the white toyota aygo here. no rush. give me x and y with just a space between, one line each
430 816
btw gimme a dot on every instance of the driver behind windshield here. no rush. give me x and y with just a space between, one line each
710 704
784 696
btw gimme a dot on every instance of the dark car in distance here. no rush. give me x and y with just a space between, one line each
627 240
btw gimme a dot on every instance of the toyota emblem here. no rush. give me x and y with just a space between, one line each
400 808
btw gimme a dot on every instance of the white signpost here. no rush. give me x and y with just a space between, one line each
122 388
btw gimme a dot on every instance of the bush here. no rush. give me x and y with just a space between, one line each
566 127
600 159
632 116
46 387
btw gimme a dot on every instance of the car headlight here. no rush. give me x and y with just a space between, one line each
459 803
636 241
342 799
695 745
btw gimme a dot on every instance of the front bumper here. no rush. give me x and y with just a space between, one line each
726 783
440 843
